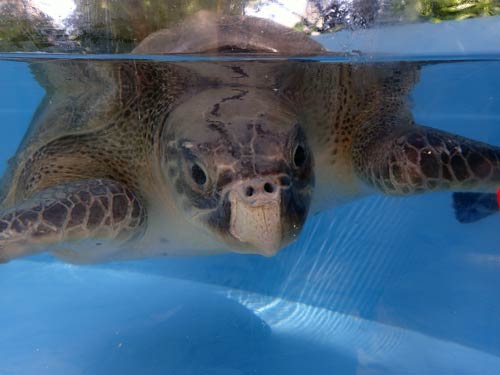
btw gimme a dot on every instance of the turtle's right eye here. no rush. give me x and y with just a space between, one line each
198 175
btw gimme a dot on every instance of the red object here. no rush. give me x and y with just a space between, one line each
498 198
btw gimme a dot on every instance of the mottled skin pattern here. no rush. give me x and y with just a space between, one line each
244 135
135 158
143 134
372 135
340 105
111 137
423 160
140 97
103 210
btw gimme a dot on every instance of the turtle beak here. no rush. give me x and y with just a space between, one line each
256 215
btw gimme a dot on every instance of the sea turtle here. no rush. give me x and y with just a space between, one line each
138 158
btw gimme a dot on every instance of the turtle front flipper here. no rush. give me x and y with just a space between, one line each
415 159
87 212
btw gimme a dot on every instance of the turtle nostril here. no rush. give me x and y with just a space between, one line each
268 188
249 191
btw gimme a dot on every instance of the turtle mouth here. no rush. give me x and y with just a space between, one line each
258 224
259 227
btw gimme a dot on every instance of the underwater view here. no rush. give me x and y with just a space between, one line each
286 203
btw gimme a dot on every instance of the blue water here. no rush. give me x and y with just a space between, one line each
379 286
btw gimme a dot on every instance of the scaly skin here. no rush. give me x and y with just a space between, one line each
98 209
400 160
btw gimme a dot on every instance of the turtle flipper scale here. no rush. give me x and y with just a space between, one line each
416 159
103 210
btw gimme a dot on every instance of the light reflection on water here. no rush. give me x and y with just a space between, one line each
373 345
187 326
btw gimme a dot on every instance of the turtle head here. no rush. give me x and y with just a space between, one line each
239 166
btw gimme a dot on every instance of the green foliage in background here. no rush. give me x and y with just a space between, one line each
443 10
22 32
116 26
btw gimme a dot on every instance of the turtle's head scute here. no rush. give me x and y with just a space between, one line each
239 166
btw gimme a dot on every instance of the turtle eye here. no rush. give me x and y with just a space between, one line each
299 156
198 175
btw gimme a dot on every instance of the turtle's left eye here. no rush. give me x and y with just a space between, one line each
299 156
198 175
